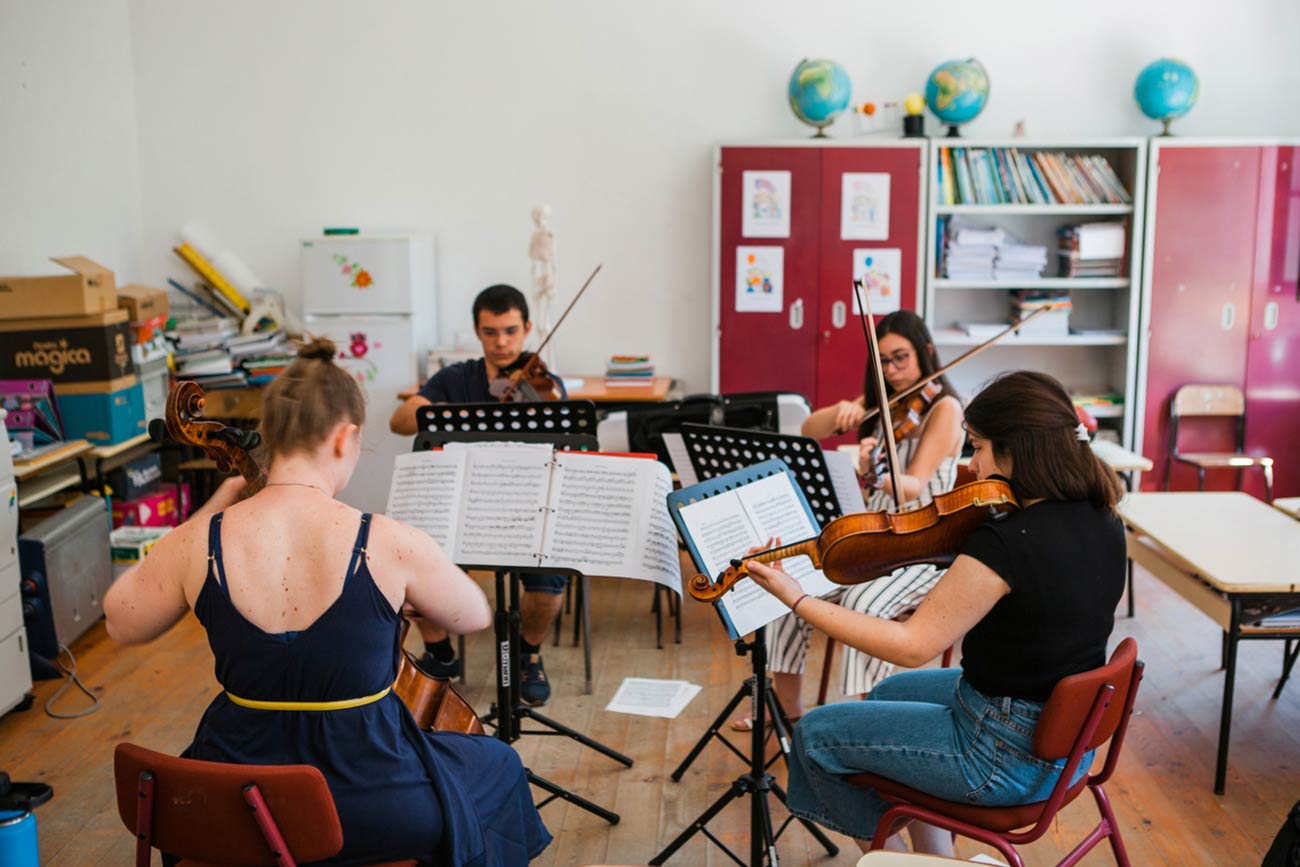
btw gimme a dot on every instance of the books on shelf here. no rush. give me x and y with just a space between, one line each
975 253
998 176
1091 249
1056 323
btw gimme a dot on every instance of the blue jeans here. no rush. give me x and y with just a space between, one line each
928 729
543 582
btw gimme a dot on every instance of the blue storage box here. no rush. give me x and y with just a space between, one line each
105 418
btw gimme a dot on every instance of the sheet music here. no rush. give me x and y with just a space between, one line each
425 493
504 510
681 459
729 524
659 552
844 481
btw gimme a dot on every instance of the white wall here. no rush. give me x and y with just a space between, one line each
267 121
69 166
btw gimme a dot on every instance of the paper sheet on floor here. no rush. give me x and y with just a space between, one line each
646 696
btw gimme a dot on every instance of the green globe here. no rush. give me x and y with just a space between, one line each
957 91
819 92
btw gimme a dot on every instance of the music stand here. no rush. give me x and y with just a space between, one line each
757 782
569 425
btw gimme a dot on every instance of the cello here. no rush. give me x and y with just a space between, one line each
854 549
433 701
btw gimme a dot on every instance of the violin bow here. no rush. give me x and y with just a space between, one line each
560 321
929 378
887 430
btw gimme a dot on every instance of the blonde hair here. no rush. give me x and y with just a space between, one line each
304 403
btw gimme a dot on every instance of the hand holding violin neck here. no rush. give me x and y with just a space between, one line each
706 590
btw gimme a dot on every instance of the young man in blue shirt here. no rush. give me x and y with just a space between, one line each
501 324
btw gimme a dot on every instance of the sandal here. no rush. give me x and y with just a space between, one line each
746 723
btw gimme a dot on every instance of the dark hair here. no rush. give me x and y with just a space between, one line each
307 399
500 299
911 328
1028 417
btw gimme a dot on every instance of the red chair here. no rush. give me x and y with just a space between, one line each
1079 716
200 811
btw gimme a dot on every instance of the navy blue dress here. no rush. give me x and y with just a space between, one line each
444 798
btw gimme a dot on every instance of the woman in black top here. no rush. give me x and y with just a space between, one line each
1033 593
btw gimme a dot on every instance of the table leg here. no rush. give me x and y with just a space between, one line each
1229 676
1128 486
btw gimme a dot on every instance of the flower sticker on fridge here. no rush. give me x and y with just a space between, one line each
359 276
354 357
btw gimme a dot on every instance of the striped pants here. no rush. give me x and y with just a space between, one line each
901 590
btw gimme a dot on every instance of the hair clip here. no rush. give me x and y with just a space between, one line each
1081 431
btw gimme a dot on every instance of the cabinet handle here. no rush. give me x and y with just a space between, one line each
839 314
796 315
1227 316
1270 316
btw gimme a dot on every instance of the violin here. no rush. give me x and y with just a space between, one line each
906 418
526 378
433 701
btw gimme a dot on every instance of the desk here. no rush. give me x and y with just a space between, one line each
1233 557
108 457
50 473
1289 505
593 388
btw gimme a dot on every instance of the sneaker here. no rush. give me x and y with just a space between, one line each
534 688
434 668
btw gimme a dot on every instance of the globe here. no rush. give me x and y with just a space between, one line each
819 91
957 91
1166 89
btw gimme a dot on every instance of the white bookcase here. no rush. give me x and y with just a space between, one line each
1083 362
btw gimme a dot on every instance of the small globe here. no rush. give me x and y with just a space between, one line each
1166 89
819 92
957 91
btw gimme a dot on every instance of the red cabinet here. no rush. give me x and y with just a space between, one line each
813 345
1222 305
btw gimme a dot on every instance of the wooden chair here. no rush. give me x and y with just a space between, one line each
219 815
1079 716
1222 401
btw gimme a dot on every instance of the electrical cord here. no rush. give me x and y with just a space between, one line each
72 679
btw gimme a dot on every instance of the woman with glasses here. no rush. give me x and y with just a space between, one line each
928 452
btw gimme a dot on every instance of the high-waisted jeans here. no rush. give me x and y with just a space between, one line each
927 729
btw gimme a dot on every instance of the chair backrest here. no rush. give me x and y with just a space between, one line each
199 812
1067 708
1194 400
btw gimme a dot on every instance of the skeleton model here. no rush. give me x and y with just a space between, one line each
541 255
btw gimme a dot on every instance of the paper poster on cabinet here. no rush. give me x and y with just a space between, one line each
760 279
766 205
864 206
880 271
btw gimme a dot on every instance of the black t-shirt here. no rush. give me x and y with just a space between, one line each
1064 563
463 382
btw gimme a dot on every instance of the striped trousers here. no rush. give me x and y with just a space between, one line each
899 591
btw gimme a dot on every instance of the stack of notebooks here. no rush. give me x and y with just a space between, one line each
1091 250
1009 176
629 371
1026 302
215 355
988 253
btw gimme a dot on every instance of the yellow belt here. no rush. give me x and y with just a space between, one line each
308 705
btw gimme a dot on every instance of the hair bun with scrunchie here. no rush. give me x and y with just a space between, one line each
320 348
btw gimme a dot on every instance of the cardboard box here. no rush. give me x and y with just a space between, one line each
104 418
130 545
162 508
142 302
135 478
155 379
90 289
91 350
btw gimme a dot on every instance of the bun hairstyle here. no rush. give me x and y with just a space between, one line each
304 403
1029 418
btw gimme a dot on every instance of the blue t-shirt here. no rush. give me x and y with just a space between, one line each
464 382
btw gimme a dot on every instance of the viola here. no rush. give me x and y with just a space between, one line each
433 701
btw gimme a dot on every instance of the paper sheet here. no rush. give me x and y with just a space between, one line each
681 459
645 696
844 480
760 279
766 205
880 270
864 206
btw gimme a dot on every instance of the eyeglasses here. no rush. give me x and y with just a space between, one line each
898 359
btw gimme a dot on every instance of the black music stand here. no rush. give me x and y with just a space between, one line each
569 424
757 783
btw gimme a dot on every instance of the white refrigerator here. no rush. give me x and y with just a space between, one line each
374 296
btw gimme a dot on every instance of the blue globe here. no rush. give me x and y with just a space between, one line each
819 91
1166 89
957 91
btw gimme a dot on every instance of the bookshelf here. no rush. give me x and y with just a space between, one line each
1101 358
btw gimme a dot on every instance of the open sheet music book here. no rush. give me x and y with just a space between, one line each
491 504
723 524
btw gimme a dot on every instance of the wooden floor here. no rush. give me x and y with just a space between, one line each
1162 791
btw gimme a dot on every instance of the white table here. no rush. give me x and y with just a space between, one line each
1233 557
1289 505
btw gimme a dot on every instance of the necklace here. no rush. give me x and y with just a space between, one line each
297 484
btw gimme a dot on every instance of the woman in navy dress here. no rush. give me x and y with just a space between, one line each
301 597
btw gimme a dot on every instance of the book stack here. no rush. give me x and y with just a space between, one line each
201 354
969 252
1009 176
1018 262
1025 302
1091 250
629 371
